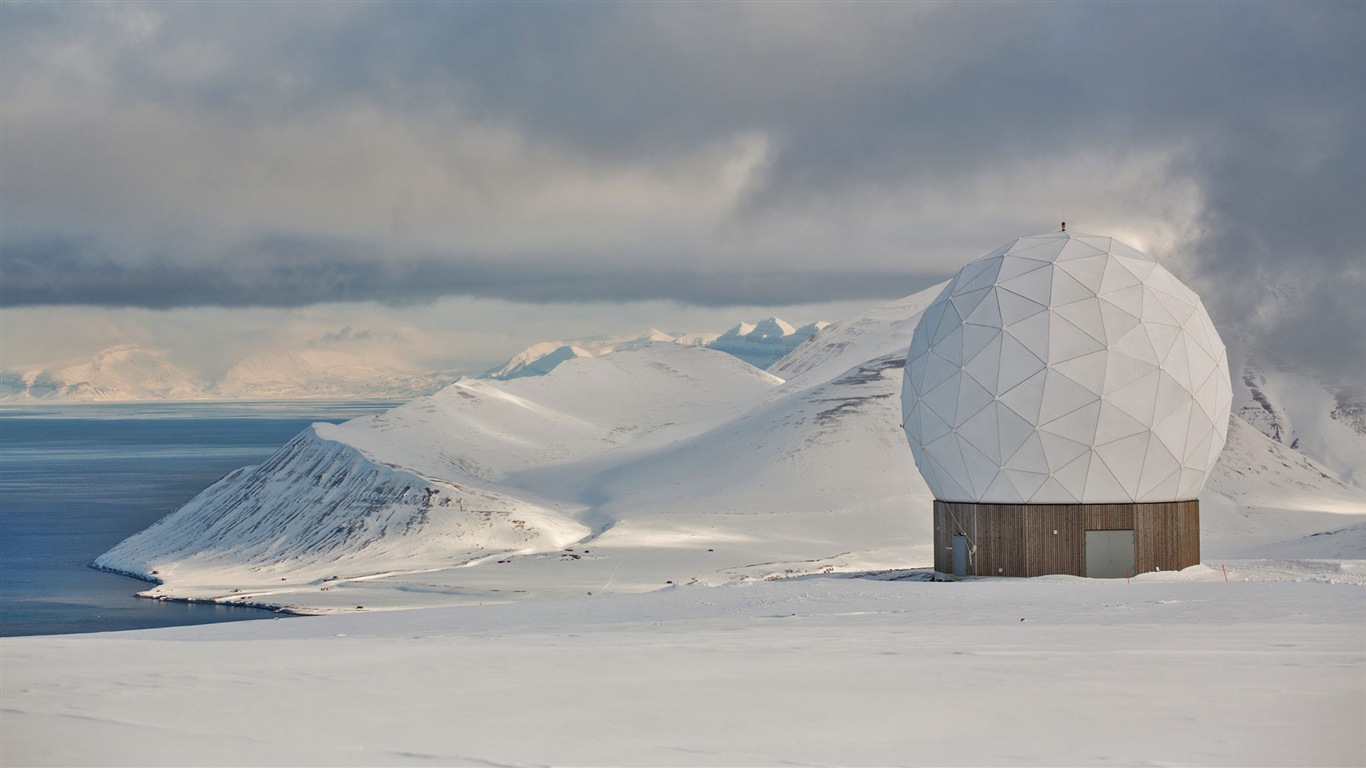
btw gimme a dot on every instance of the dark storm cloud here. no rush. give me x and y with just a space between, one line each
293 272
1260 105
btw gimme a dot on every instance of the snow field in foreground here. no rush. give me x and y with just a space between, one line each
820 670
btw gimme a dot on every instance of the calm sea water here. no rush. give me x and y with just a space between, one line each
77 479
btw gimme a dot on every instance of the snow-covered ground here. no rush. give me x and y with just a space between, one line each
1170 669
663 555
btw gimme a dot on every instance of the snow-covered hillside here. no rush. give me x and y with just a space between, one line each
1295 409
124 372
627 471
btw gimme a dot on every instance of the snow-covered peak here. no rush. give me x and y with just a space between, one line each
772 328
118 373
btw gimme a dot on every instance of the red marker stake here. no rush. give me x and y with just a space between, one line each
1225 568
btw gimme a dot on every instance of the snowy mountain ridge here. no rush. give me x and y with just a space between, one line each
760 344
625 471
127 373
1299 411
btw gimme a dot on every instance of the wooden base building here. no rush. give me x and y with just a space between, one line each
1094 540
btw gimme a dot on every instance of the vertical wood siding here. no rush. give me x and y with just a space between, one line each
1019 539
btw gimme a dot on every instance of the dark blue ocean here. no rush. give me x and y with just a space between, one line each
77 479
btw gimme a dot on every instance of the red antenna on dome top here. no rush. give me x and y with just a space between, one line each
1063 227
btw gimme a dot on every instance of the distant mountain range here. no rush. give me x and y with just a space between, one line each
130 373
761 345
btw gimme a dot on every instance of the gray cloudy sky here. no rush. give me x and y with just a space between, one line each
166 167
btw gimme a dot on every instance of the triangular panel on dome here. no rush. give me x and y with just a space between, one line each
1026 483
1067 289
976 338
981 468
1198 449
985 366
1122 370
1078 426
1036 286
1117 321
949 323
1203 333
1001 491
952 471
972 397
1015 307
1011 430
929 321
937 370
1207 394
1161 471
1032 333
1162 280
1113 424
915 372
1138 345
1026 397
1017 363
1019 265
987 313
1030 457
1087 370
1201 363
1062 395
1180 307
1125 458
1120 248
1095 241
910 420
1154 311
1073 476
1140 267
920 344
983 274
1061 451
1171 428
943 399
1088 271
1138 398
1053 492
1117 277
1067 341
1102 486
1216 445
1078 249
1086 316
964 303
932 425
1128 299
1162 337
980 431
1198 425
1043 248
1190 483
1177 363
950 347
949 488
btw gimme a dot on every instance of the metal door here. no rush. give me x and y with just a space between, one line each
960 555
1109 554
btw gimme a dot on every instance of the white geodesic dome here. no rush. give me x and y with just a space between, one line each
1066 368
